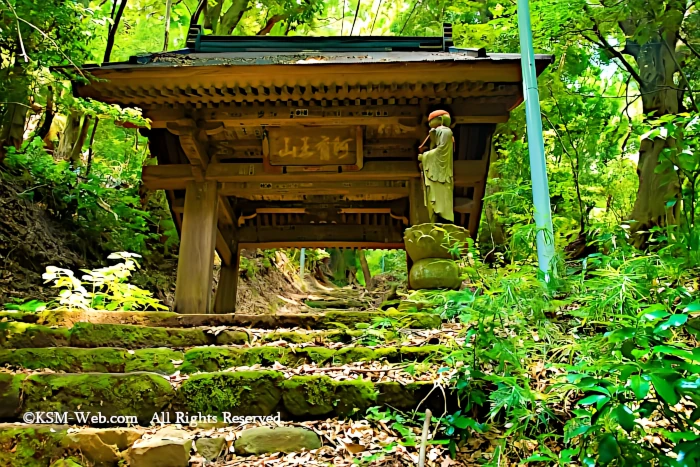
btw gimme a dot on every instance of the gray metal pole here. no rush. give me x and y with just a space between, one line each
302 260
535 143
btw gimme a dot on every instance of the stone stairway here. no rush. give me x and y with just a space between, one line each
111 388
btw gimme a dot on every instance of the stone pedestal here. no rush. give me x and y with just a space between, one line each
433 249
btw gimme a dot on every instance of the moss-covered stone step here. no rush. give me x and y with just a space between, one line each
97 360
15 335
236 393
239 393
208 359
202 359
325 320
137 395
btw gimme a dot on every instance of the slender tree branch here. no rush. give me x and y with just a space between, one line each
683 75
409 16
90 147
111 35
376 14
602 42
357 11
685 41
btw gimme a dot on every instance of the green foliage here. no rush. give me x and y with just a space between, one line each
615 342
103 288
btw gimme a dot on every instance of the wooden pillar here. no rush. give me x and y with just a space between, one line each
227 289
418 211
195 266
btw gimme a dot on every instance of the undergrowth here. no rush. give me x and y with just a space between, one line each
600 367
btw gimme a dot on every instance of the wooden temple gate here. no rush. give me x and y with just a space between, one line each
304 142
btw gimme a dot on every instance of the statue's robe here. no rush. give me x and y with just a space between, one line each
438 174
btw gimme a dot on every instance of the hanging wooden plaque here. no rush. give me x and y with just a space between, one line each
314 146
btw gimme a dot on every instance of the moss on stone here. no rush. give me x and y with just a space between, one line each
210 359
14 335
267 356
31 447
155 360
99 360
354 354
218 358
232 337
140 394
349 319
390 354
309 395
10 394
133 337
396 395
239 392
293 337
67 359
303 337
318 354
67 318
19 316
354 396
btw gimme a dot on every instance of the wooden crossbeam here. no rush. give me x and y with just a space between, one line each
176 176
475 110
294 233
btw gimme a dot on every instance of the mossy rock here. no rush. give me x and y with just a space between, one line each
133 337
354 397
158 360
19 316
396 395
98 360
70 462
15 335
212 359
319 355
309 395
350 319
232 337
10 395
434 273
302 337
433 240
67 318
139 394
265 440
32 446
354 354
239 393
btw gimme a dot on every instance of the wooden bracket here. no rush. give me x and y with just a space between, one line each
192 145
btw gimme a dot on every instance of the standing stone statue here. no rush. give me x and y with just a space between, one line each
436 166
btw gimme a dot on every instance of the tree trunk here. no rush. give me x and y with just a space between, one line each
493 235
342 265
112 31
231 18
49 113
660 96
69 136
14 116
77 151
168 6
365 268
